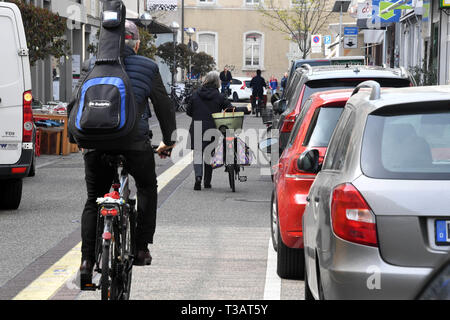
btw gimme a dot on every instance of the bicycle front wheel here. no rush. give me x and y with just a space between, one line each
231 178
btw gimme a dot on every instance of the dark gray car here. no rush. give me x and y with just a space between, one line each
377 219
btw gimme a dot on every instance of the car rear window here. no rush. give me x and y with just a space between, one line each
334 84
322 126
407 146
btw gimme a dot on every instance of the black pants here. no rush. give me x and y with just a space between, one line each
99 176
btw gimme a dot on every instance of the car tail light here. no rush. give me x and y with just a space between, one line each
288 123
27 117
351 216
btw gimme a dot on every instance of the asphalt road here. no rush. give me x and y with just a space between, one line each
209 244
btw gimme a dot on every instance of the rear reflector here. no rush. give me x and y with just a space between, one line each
18 170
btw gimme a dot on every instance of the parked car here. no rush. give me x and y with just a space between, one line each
240 89
377 221
308 80
17 130
312 129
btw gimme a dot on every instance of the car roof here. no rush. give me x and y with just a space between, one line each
351 71
327 97
398 96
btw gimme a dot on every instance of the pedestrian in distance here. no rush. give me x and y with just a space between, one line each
146 84
258 83
204 102
225 78
283 82
273 84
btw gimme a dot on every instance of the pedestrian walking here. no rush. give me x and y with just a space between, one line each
273 84
283 82
206 101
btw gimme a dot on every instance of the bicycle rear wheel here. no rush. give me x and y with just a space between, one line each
105 282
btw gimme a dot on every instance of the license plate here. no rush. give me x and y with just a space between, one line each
443 232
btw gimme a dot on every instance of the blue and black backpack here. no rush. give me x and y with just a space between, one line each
105 115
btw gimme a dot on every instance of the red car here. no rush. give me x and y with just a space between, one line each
312 130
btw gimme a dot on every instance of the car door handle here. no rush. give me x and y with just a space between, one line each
316 199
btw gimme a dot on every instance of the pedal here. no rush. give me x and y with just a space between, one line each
242 178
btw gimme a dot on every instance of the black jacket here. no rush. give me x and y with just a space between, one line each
225 78
257 84
204 102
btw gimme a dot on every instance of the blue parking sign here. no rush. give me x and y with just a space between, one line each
327 39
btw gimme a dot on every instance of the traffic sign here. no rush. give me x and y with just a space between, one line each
350 31
316 43
350 42
327 40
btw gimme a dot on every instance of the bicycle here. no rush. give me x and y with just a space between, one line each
115 240
176 95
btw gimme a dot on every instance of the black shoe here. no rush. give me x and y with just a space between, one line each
198 183
143 258
86 269
207 185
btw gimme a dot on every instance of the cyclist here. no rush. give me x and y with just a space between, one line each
225 78
257 84
147 83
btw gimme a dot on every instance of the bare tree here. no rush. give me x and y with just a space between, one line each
298 22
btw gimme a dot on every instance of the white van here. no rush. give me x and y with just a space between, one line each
17 130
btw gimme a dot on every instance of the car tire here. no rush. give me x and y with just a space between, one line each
290 261
308 293
32 171
274 222
235 97
11 194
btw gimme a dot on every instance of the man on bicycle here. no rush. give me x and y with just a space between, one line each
147 83
225 78
257 84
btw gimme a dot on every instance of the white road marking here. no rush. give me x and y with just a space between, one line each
272 287
47 284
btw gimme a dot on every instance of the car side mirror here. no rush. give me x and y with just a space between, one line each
279 106
267 144
309 161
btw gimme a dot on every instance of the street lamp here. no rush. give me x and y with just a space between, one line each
341 6
174 26
190 32
145 19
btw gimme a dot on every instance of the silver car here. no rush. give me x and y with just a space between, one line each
378 215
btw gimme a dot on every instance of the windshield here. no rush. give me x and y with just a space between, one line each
334 84
407 146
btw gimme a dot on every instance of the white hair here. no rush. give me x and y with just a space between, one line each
212 80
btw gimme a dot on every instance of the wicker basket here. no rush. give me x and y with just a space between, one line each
228 120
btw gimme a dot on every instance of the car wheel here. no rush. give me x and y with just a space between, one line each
11 194
290 261
274 222
235 97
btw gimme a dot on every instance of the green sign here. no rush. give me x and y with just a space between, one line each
445 4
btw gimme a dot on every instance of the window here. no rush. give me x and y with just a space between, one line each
339 142
207 1
298 123
252 2
414 144
322 126
253 50
207 42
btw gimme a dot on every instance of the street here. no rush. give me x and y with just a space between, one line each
209 245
